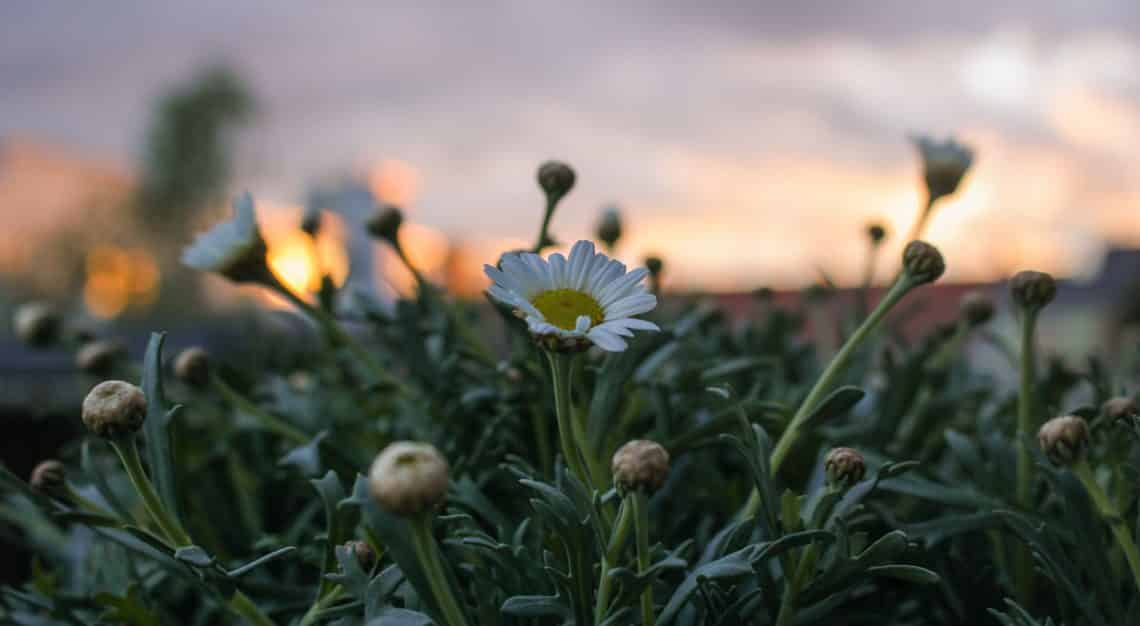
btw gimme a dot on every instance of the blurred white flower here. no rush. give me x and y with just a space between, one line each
571 303
233 248
944 163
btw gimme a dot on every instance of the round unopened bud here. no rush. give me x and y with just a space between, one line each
609 227
114 408
37 324
844 467
311 220
363 552
1032 290
944 163
385 223
100 357
876 233
923 262
640 465
976 308
408 478
1120 407
49 478
556 179
1064 439
655 265
193 366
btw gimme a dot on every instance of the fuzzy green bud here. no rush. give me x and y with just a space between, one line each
976 308
923 262
408 478
556 179
37 324
609 227
944 164
640 465
844 467
192 366
49 478
1032 290
385 223
876 233
100 357
1064 439
114 408
363 552
1120 407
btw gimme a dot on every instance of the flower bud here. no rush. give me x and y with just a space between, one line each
100 357
943 165
37 324
1032 290
556 179
385 223
114 408
876 233
655 265
1064 439
844 467
923 262
640 465
408 478
49 478
363 552
311 220
976 308
193 366
1120 407
609 227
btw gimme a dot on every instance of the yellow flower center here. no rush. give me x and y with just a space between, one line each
562 307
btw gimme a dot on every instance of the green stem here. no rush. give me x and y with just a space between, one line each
542 231
337 335
560 374
1023 564
243 606
923 216
428 553
639 502
1108 511
613 551
792 433
542 440
271 422
787 613
167 524
314 613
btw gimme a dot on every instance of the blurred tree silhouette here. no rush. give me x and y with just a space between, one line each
186 164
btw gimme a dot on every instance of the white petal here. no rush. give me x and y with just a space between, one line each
633 305
606 340
607 294
558 271
582 324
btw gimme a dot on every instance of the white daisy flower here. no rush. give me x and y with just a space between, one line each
233 249
588 298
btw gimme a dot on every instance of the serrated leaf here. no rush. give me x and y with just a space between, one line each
159 456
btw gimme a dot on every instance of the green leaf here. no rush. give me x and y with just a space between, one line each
194 555
839 402
400 617
259 561
159 456
732 567
909 573
331 492
535 606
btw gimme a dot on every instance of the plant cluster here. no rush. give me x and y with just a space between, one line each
613 462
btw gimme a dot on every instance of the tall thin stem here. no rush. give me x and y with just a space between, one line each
923 217
613 550
269 421
543 236
1108 511
561 367
428 553
640 505
1027 389
167 524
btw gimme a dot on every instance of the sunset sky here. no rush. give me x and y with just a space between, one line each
747 142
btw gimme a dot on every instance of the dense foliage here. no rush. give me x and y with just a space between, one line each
251 498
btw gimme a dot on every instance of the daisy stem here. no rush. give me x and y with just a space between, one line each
1107 511
838 364
269 421
1025 426
923 217
542 234
129 455
561 368
639 503
609 558
432 562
